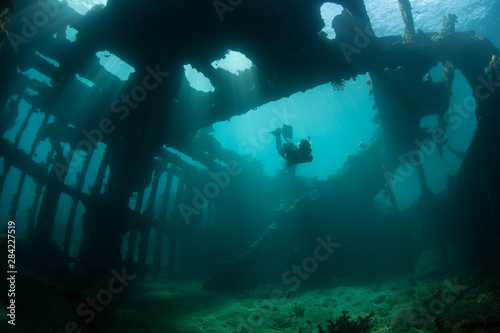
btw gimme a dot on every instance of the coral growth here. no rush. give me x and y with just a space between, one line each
339 85
479 323
298 310
4 14
401 320
344 324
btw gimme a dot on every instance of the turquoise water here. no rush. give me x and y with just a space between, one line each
338 122
292 210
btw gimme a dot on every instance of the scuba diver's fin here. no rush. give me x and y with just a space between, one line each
287 132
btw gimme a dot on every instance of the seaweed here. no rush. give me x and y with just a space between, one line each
344 324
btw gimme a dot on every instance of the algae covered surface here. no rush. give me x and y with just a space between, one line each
399 304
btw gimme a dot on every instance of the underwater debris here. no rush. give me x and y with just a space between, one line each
343 324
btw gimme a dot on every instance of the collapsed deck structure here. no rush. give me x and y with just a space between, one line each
136 119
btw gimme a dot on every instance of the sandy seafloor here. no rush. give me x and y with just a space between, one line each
401 304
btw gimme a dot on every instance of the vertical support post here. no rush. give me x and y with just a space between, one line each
34 206
23 127
51 195
408 24
394 202
148 212
173 233
448 74
74 204
101 172
423 180
38 190
6 169
50 201
132 237
15 199
33 209
146 228
160 228
8 121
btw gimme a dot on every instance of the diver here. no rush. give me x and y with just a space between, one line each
289 151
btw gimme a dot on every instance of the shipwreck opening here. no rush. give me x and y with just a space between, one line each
328 12
197 80
115 65
345 127
82 7
71 34
234 62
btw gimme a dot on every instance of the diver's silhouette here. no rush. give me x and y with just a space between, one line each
289 151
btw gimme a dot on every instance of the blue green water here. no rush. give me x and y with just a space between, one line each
337 121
